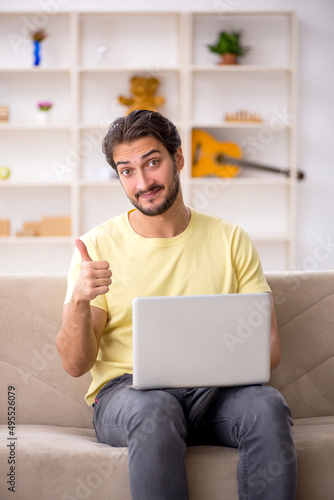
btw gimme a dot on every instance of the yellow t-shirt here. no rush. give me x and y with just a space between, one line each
211 256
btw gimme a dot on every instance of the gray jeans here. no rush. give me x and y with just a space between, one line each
158 425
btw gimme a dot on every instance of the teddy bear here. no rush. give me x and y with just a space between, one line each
143 90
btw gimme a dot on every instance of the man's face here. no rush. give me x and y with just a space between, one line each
148 174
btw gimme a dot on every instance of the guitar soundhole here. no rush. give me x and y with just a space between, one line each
220 158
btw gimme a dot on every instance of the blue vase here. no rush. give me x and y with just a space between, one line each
37 50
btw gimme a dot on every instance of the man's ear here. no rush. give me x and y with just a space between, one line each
179 159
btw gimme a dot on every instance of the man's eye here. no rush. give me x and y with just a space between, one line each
153 163
126 172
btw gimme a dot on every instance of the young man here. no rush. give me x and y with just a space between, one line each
162 247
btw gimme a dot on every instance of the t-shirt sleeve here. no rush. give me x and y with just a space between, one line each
73 274
247 264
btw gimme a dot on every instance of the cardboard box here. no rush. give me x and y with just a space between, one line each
25 232
4 114
55 226
4 227
32 227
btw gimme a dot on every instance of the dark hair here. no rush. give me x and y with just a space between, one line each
138 124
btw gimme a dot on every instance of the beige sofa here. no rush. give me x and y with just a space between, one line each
52 453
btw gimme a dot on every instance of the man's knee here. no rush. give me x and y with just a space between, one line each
156 413
268 409
275 404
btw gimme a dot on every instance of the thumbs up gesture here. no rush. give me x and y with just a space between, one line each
94 278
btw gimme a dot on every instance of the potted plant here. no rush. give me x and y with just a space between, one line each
229 47
44 108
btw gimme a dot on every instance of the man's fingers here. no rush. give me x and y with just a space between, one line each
101 290
102 272
102 282
95 275
83 250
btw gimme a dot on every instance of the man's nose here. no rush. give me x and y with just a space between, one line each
143 181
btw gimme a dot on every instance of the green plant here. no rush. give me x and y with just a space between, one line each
229 43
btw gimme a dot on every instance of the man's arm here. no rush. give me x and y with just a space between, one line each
79 337
250 279
275 349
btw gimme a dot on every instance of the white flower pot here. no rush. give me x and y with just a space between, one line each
43 117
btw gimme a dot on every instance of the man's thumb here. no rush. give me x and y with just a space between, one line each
82 249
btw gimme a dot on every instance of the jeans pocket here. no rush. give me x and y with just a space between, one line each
111 385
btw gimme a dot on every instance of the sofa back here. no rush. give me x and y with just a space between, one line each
304 305
30 316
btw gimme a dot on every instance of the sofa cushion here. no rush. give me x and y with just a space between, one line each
69 464
64 463
314 438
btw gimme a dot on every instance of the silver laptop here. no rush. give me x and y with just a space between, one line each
201 340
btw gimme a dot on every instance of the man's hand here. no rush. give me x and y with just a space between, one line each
94 278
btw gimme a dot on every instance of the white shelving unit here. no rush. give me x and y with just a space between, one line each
59 168
264 83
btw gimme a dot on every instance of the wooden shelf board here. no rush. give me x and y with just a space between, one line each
231 124
19 126
125 69
6 184
239 68
241 181
35 239
99 183
35 69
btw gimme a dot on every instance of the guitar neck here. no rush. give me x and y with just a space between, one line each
223 159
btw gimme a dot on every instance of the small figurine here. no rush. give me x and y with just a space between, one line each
102 52
243 116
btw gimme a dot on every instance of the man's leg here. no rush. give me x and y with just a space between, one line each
257 420
152 425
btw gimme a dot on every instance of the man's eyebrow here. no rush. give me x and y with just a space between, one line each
126 162
150 152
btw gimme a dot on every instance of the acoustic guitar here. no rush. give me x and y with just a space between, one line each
223 159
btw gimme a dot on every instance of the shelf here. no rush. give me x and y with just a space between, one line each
4 184
104 125
43 127
24 89
87 62
34 69
126 38
241 181
244 13
99 183
239 68
235 125
100 92
142 71
22 240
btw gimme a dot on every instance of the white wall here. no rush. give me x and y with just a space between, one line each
316 103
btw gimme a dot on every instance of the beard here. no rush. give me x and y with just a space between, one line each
170 196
